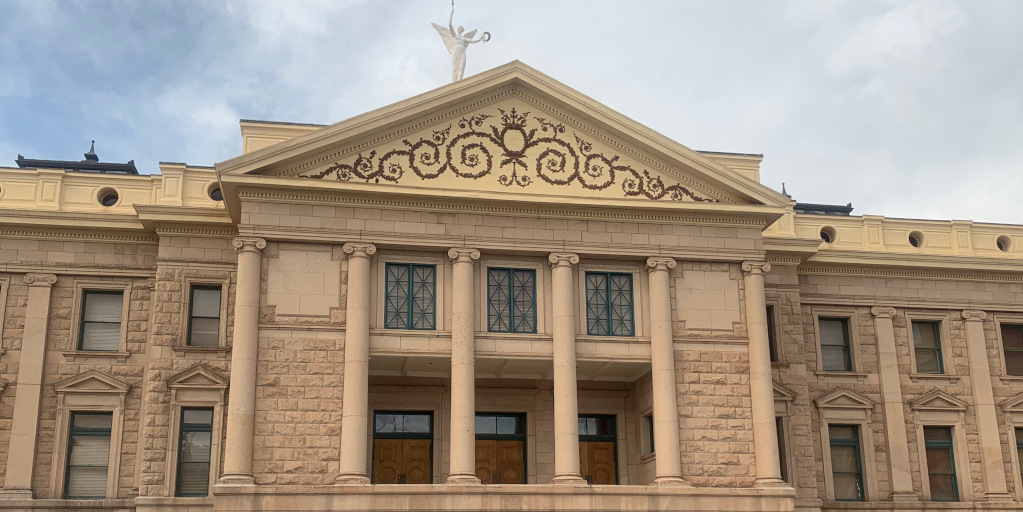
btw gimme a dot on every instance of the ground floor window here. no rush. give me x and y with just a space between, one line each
846 462
941 472
402 447
598 449
88 455
194 446
501 448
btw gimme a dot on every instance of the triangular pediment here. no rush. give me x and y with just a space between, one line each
783 394
937 400
198 377
844 399
511 131
1014 404
92 381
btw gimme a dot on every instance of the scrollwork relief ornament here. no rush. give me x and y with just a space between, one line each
463 255
974 314
758 267
248 244
518 148
40 279
882 311
354 250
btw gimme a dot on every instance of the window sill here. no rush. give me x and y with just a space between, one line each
73 355
1011 379
181 350
940 377
847 376
611 339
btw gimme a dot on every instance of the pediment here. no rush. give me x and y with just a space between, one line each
198 377
937 400
844 399
92 381
782 393
512 131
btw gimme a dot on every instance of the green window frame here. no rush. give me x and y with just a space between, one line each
941 463
1019 448
609 304
511 300
1012 348
411 296
648 421
195 441
99 326
783 463
927 347
846 462
204 315
87 467
772 342
836 349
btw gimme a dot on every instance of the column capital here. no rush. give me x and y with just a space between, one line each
756 267
248 244
40 279
974 314
657 264
463 254
355 250
882 311
563 259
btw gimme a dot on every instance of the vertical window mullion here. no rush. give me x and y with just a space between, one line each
510 276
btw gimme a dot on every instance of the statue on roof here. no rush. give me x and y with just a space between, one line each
456 41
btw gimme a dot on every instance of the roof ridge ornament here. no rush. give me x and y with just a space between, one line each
91 155
457 41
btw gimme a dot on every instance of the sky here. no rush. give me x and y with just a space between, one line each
910 109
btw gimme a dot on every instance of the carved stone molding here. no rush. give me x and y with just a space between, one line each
882 311
656 264
242 244
974 314
3 384
756 267
561 259
149 284
34 279
463 255
355 250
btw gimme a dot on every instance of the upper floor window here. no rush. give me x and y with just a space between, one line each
836 352
941 472
927 347
100 327
511 300
846 462
411 301
609 304
204 316
772 342
88 455
1012 345
194 447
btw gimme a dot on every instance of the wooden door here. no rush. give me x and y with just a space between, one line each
500 462
417 461
402 461
486 462
387 460
597 462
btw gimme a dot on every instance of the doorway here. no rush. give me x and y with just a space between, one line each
402 447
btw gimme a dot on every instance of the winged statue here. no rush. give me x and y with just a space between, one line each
456 41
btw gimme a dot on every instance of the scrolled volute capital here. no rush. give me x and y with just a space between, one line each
974 314
244 244
359 250
756 267
34 279
560 259
656 263
882 311
463 254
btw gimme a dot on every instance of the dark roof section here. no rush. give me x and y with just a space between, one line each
91 164
758 155
281 122
824 209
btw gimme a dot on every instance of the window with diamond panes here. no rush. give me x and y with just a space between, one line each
511 300
411 296
609 304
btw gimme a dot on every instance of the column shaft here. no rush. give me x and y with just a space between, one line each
355 395
765 434
245 344
984 404
566 400
668 465
894 414
21 456
463 369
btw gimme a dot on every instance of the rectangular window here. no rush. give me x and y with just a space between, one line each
194 444
204 316
403 448
846 462
598 449
411 296
927 347
88 455
779 424
1012 344
501 448
511 300
1019 448
100 328
941 467
772 343
648 426
836 353
609 304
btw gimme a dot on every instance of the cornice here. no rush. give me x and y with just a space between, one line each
916 260
910 273
814 299
83 235
83 270
197 231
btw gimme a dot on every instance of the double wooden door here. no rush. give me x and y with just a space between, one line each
402 461
500 462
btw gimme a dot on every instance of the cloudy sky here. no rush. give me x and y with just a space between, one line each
904 108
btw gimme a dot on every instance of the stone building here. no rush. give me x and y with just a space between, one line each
498 295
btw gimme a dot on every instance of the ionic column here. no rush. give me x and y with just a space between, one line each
463 369
242 399
984 405
668 464
566 400
355 395
21 456
894 414
765 434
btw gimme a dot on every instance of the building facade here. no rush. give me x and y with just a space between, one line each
498 295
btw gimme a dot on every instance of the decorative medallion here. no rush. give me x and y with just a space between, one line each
523 147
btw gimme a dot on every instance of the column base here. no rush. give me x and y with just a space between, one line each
352 479
16 494
904 497
576 480
236 480
770 482
463 479
998 496
671 481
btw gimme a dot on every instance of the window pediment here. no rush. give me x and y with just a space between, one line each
92 381
1014 404
938 401
198 377
844 399
783 394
